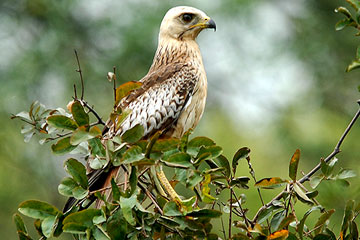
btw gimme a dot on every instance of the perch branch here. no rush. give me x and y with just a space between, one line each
317 167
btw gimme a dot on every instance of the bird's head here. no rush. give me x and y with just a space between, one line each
183 23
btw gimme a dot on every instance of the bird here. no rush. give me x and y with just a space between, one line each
172 95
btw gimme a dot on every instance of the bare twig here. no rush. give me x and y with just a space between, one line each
222 224
114 81
80 73
105 188
241 209
336 149
230 215
100 121
75 94
317 167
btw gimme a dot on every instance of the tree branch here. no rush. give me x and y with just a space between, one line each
317 167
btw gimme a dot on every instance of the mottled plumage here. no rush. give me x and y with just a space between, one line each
173 93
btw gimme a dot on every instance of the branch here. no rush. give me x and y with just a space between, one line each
100 121
80 73
317 167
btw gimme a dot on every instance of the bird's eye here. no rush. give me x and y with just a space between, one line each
187 17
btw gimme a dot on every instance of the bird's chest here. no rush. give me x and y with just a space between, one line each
193 110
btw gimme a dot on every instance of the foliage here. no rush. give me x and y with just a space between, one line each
146 205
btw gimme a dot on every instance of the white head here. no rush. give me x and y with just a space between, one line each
184 23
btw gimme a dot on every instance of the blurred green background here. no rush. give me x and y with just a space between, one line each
275 71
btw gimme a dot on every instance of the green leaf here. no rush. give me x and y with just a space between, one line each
354 230
79 192
20 226
96 147
82 218
193 179
117 226
97 163
240 154
196 143
240 182
286 221
48 225
353 65
301 194
151 142
300 226
165 144
358 53
348 215
37 209
321 221
331 234
355 4
204 213
95 131
344 11
134 134
327 168
171 209
315 181
211 151
224 162
66 187
181 159
277 219
74 228
321 236
115 190
346 173
99 233
62 146
23 236
133 154
127 204
184 140
80 135
265 214
124 90
343 23
294 163
270 183
79 114
62 122
77 171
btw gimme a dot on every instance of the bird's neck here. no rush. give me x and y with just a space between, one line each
171 51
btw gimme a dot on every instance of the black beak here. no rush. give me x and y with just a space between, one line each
211 24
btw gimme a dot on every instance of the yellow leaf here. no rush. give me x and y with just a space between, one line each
124 90
270 182
279 235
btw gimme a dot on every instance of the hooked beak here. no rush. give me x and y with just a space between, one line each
207 23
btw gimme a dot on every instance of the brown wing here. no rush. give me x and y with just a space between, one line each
161 99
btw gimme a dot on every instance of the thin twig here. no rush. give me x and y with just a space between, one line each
336 149
317 167
241 209
230 215
80 73
252 173
222 224
114 81
106 188
100 121
75 94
